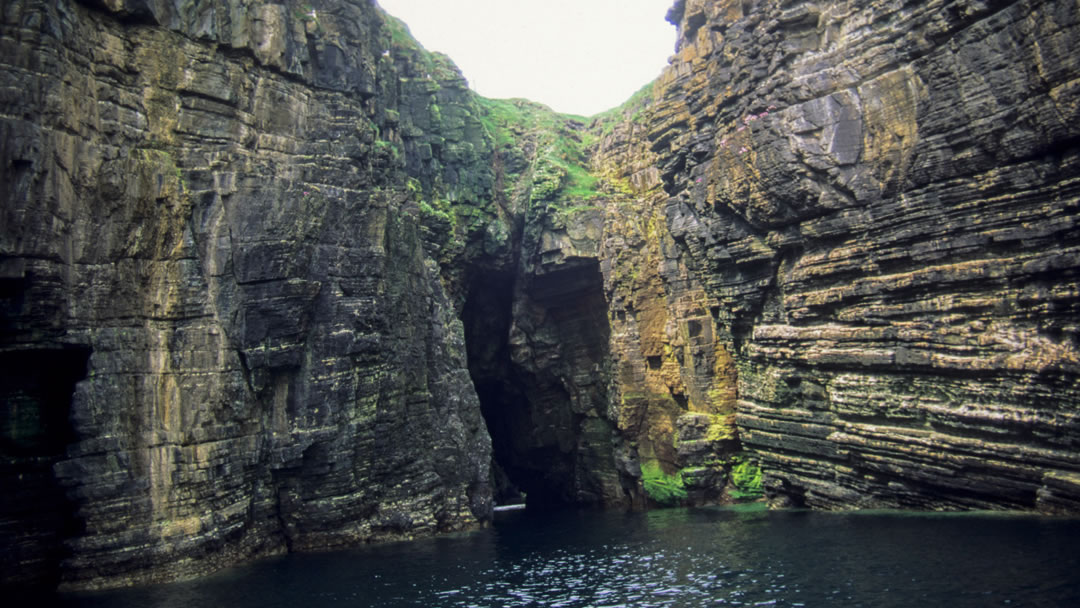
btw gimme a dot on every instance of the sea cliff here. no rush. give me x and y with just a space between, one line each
273 278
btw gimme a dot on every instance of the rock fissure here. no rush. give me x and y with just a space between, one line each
272 278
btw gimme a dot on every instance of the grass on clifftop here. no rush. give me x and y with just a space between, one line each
437 65
560 165
632 109
554 145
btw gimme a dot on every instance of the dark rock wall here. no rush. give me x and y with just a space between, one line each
537 318
882 199
271 276
209 204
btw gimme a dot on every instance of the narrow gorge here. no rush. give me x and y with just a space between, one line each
273 279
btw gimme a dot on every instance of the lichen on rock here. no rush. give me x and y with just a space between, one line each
296 287
878 200
211 203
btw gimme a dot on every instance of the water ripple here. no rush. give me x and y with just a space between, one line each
675 558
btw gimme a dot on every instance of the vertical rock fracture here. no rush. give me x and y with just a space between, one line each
272 278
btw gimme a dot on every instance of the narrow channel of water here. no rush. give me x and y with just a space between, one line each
675 557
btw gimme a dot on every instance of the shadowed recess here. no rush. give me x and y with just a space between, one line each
36 388
537 355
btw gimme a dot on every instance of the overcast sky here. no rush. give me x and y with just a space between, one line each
576 56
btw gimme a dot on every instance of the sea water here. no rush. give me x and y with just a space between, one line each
741 556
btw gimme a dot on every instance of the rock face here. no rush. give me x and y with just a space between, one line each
273 279
882 200
208 241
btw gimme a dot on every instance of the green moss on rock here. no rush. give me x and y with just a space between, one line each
745 478
664 489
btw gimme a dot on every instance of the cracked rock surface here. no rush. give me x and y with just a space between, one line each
272 278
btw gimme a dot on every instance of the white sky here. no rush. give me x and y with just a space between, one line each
576 56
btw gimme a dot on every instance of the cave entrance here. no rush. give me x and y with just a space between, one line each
538 351
36 388
487 318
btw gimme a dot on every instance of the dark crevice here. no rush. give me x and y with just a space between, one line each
540 395
36 390
505 413
487 318
693 24
245 369
682 400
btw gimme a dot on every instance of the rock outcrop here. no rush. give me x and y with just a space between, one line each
273 279
210 242
882 201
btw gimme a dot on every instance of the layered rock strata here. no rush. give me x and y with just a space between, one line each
882 199
208 239
273 279
675 380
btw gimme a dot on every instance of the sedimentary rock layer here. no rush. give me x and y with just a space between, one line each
272 278
882 198
206 227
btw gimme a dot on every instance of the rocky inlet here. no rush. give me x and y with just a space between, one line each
272 278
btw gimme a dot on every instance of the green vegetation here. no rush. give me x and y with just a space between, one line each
439 229
505 119
388 149
439 213
559 177
541 165
435 65
399 32
632 109
371 125
560 169
664 489
155 158
746 477
580 184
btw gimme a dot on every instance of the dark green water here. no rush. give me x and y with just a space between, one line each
677 557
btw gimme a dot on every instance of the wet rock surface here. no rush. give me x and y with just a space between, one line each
273 279
210 205
881 199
